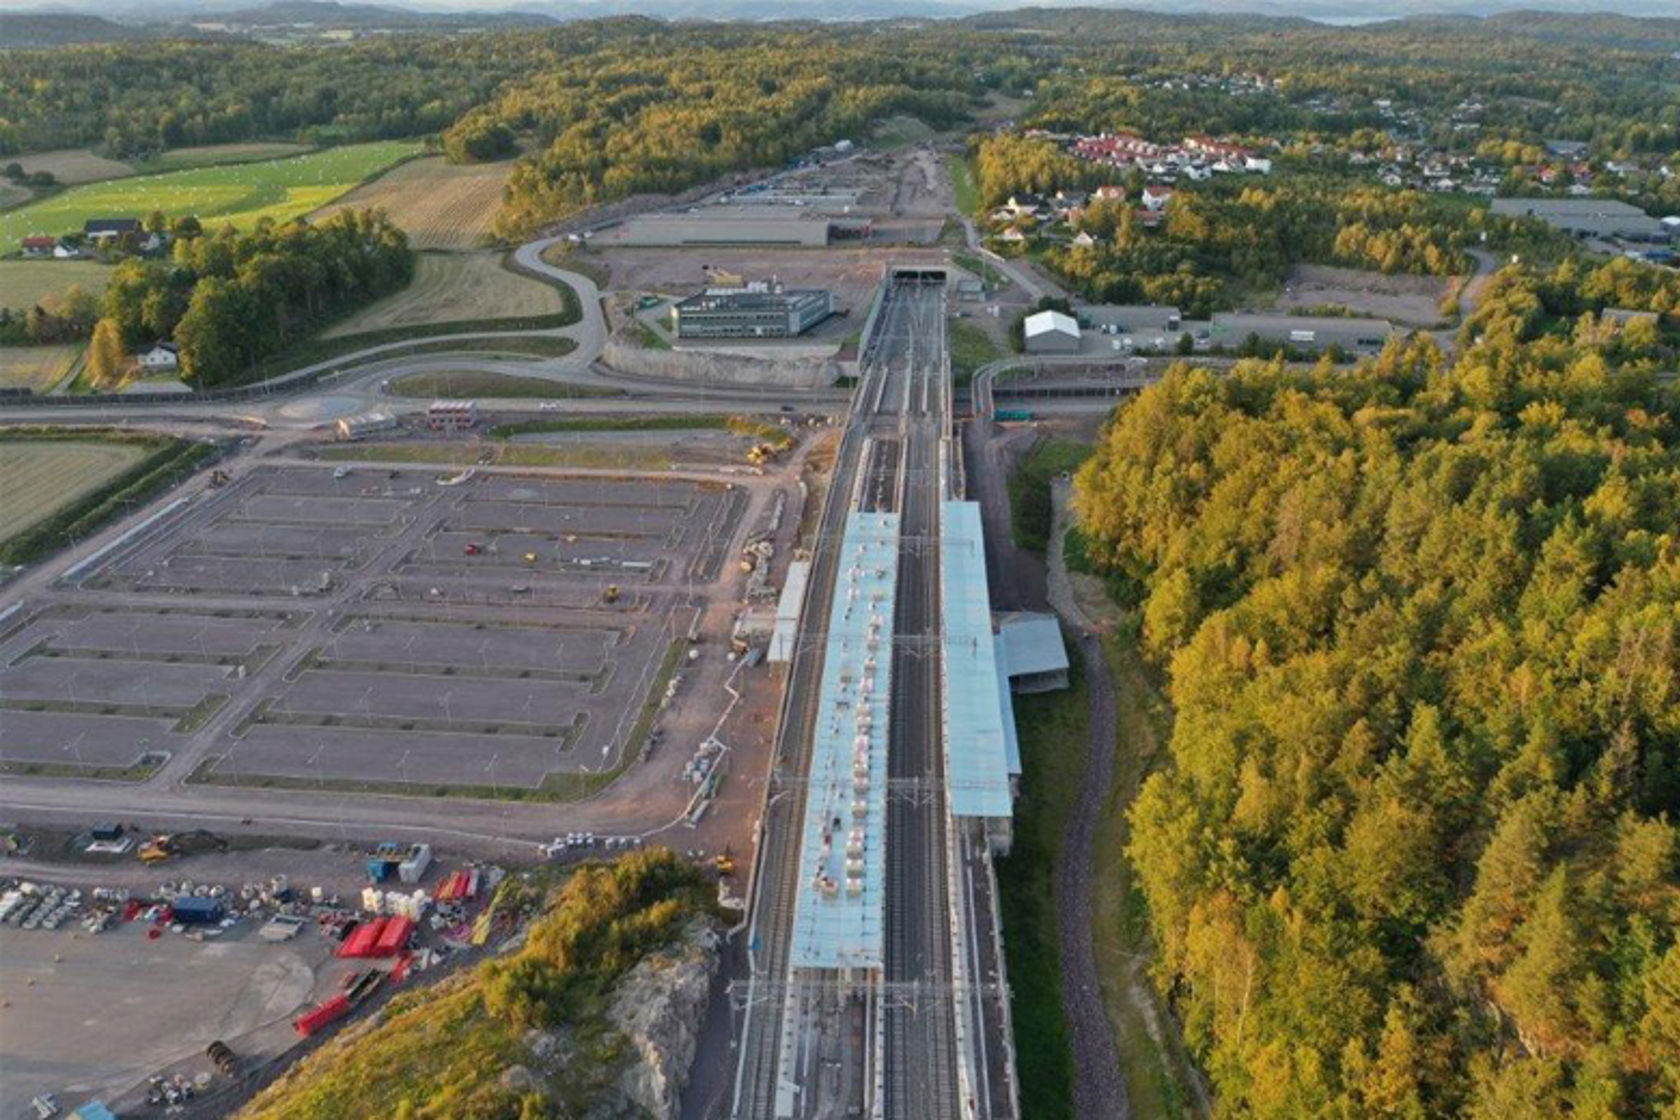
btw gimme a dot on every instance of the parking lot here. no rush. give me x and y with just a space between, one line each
398 630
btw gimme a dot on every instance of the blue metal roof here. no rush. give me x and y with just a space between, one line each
840 910
1006 701
1032 643
977 757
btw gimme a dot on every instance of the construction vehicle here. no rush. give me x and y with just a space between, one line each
612 593
530 558
725 863
218 478
168 845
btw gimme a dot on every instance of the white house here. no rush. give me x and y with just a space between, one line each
1051 332
1084 240
1155 198
1255 165
161 357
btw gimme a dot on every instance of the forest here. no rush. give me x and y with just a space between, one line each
1416 853
230 298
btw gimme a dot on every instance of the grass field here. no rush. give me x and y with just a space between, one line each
74 165
211 155
23 284
971 348
11 194
506 455
44 475
477 383
438 205
242 194
35 367
900 131
452 286
962 182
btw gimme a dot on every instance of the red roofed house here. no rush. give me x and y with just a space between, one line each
1155 198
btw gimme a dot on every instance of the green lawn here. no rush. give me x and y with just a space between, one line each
971 348
1054 728
479 383
242 194
967 190
1029 489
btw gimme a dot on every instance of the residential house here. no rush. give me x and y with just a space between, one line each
39 246
1024 205
63 252
1109 194
1155 198
1084 240
160 357
101 229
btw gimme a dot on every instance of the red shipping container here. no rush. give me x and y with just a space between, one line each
319 1016
362 939
393 939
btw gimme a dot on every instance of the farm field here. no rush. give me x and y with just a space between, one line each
35 367
438 205
211 155
43 475
454 286
74 165
23 284
11 194
242 194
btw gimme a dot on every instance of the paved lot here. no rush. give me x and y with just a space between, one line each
375 629
93 1015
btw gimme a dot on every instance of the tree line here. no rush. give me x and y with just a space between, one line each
230 298
1416 852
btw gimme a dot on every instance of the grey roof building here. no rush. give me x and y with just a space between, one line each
1300 332
1141 318
724 225
753 312
1585 217
1051 332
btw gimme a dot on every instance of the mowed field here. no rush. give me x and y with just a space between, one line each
438 205
42 475
455 286
34 367
23 284
242 194
74 165
209 155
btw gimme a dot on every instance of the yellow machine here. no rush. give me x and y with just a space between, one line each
612 593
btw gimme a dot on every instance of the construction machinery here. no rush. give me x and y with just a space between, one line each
725 863
612 593
168 845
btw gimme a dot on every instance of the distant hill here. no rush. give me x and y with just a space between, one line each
330 14
56 29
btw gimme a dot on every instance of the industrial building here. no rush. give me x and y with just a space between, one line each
452 416
1231 331
724 225
367 424
1051 332
755 311
1116 318
1585 217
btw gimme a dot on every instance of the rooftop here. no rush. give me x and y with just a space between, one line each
840 911
977 754
750 299
1046 322
1032 643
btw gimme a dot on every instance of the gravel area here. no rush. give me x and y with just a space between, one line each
1099 1088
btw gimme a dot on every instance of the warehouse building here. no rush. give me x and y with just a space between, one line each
755 311
1051 332
1031 655
724 225
1231 331
1143 318
1585 217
